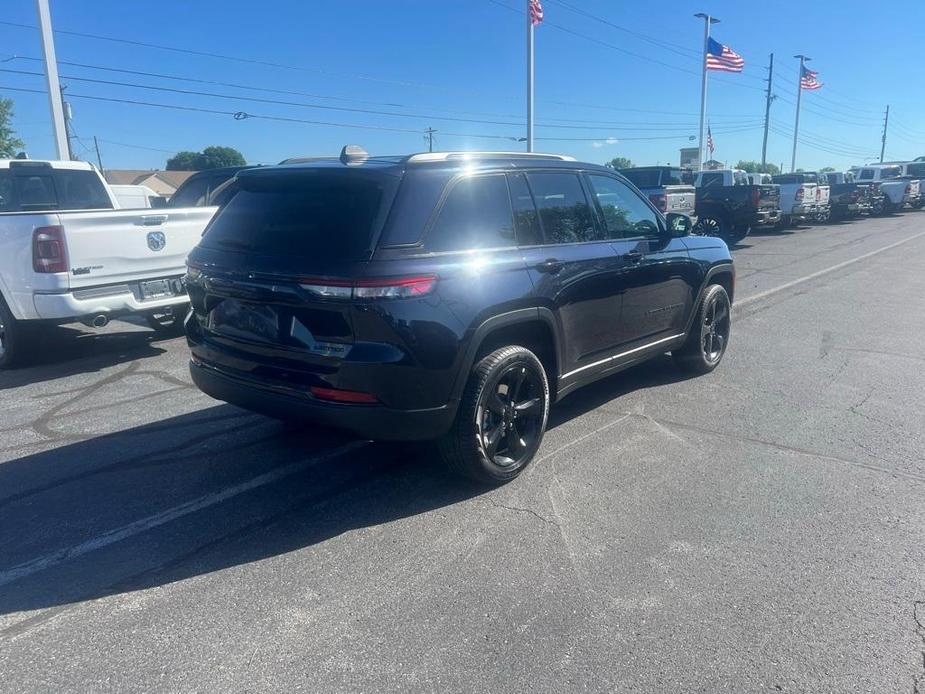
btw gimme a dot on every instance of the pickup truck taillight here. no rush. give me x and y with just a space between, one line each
756 196
818 194
660 201
49 253
800 193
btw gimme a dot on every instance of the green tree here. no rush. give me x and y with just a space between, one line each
619 163
756 167
826 169
10 145
212 157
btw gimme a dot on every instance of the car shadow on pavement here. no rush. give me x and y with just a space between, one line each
62 351
82 495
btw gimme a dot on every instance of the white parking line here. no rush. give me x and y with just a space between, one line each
143 525
814 275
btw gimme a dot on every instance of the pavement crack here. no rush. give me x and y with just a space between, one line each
918 616
519 509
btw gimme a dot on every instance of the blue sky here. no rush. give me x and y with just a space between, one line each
601 90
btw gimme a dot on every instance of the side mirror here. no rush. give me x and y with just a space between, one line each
679 224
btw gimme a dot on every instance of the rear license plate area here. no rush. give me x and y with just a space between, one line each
159 289
238 319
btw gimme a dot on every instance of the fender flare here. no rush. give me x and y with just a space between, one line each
503 320
725 267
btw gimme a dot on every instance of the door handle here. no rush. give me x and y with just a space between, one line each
550 265
632 256
153 220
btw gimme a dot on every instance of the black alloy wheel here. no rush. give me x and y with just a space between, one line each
511 415
708 338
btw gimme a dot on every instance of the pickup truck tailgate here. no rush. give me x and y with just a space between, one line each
122 245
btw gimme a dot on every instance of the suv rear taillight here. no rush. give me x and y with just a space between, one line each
800 193
375 288
49 253
660 200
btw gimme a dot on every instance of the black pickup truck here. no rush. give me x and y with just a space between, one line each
848 198
729 205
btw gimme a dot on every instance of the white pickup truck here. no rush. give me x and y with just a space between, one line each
68 253
797 199
896 191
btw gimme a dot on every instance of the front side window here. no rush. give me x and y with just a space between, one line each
626 215
475 214
564 210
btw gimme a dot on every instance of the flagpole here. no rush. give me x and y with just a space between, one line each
707 21
529 79
796 125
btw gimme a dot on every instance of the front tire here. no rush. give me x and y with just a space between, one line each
709 335
501 419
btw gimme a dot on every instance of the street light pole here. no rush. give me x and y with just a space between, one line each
707 21
796 125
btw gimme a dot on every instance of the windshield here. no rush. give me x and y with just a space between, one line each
318 216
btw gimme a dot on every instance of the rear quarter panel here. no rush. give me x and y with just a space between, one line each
17 279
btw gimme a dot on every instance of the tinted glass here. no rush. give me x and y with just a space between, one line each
6 191
866 174
191 194
917 170
711 180
526 218
318 218
672 177
564 210
35 192
891 172
81 190
475 214
626 215
642 178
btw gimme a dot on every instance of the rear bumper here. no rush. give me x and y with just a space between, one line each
375 422
111 300
767 217
803 211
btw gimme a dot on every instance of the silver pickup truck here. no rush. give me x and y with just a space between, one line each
669 188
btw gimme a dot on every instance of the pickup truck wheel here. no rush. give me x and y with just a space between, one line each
712 226
501 418
737 234
886 207
12 338
709 335
167 323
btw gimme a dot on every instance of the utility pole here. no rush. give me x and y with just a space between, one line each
529 78
99 159
51 75
767 114
796 125
886 121
66 107
707 21
430 139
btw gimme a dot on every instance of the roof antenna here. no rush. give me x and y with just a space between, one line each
353 155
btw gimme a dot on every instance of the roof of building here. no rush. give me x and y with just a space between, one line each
139 176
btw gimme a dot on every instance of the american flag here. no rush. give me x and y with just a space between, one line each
723 58
710 141
808 79
536 12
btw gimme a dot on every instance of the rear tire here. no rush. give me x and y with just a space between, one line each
501 418
13 338
738 234
887 207
713 225
709 335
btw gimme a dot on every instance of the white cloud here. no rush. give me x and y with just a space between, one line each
597 144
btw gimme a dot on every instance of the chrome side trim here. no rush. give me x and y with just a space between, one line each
620 355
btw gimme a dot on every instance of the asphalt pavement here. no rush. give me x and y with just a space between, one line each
758 529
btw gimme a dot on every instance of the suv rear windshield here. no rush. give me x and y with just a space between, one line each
41 189
326 216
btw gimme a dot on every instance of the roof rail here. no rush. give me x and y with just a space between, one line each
447 156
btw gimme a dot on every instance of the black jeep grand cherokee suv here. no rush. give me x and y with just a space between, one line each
444 296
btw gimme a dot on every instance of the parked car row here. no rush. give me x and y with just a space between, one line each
729 203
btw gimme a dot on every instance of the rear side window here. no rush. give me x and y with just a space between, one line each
563 208
6 192
191 194
322 217
866 174
475 214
